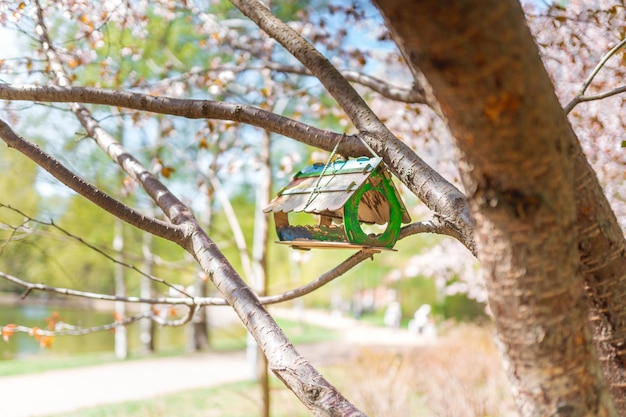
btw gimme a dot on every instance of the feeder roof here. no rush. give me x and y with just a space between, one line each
325 191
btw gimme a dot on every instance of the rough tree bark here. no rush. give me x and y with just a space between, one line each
517 155
602 251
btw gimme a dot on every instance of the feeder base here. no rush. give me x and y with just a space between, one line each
312 244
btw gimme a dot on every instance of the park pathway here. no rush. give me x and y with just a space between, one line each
62 391
72 389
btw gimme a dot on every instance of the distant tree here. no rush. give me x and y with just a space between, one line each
532 209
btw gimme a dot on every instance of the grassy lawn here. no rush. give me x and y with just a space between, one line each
221 340
460 375
299 333
47 363
241 399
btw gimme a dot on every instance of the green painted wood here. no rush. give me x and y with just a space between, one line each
352 225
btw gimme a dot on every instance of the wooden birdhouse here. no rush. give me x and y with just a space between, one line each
345 195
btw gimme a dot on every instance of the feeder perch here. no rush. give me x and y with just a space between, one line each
345 194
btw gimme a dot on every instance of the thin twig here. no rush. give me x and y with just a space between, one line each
96 249
65 329
325 278
580 98
600 64
413 95
189 301
186 301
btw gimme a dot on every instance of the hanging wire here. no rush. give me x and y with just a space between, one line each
369 148
316 188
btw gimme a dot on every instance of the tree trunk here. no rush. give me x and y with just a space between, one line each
516 155
146 325
198 339
602 252
121 338
259 259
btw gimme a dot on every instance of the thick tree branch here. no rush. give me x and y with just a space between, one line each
437 193
191 109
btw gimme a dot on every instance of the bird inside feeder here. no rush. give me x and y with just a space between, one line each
345 195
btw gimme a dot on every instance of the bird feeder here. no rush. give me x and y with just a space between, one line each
345 195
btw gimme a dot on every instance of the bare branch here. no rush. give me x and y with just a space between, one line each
96 249
409 230
65 329
601 64
322 280
430 226
187 300
188 108
414 95
89 191
69 330
580 98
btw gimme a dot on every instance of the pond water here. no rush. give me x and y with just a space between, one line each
22 345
